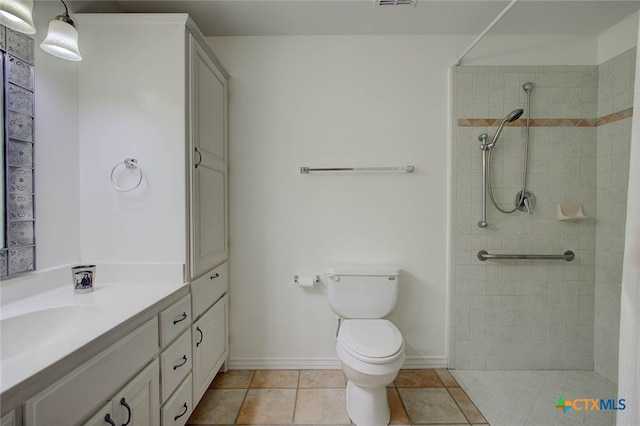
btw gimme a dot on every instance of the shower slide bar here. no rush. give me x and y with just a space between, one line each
568 256
407 169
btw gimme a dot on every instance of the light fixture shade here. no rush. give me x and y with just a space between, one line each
62 41
18 15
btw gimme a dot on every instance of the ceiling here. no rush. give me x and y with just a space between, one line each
360 17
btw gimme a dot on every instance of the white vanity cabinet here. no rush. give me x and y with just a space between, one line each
151 370
78 394
135 405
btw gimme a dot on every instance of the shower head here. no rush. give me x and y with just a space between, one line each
511 117
514 115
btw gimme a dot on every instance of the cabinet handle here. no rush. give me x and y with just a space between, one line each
199 157
214 276
201 335
184 361
186 408
124 403
107 419
184 317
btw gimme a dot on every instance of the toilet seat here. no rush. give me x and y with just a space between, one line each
375 341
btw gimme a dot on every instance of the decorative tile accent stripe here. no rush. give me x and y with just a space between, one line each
620 115
549 122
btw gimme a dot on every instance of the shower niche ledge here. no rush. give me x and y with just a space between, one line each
571 212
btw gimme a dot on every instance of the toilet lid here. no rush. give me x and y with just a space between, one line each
374 338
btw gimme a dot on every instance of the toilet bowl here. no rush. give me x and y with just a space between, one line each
371 352
369 347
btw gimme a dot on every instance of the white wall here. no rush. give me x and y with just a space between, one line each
132 103
339 101
619 38
56 152
537 50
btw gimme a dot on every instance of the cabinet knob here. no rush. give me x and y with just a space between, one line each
216 275
107 419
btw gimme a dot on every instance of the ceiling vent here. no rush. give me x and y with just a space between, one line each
394 3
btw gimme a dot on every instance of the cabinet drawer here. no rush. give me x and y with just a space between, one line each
179 407
174 320
209 288
175 364
79 393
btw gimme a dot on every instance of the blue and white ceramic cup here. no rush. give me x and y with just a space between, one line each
83 277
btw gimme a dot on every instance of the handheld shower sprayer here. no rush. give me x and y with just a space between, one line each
525 200
513 116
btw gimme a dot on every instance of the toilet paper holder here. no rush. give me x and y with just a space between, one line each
296 279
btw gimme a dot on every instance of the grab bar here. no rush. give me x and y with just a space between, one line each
306 170
568 256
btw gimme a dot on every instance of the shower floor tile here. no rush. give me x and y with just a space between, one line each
517 398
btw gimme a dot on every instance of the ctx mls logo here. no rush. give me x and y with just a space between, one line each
588 404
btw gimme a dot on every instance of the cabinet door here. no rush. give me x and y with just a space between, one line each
8 419
104 417
210 346
79 393
207 106
138 404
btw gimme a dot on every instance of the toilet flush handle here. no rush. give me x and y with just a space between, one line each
335 278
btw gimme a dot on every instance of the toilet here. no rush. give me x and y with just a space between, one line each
369 347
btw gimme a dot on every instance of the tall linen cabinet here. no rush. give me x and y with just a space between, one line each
151 89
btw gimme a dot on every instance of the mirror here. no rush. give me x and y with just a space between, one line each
17 249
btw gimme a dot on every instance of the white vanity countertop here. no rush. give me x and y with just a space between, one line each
74 321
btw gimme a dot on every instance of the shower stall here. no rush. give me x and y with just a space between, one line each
539 314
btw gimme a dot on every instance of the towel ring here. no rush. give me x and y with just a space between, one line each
129 163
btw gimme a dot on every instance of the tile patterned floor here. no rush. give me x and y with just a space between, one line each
523 398
317 397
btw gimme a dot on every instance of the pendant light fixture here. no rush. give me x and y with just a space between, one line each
18 15
62 38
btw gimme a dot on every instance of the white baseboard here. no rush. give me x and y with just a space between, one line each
283 363
417 362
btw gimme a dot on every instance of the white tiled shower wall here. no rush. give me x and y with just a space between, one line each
533 314
616 80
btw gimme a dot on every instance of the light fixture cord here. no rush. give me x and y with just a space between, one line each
66 10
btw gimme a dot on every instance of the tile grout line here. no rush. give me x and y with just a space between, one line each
295 401
246 392
402 403
458 405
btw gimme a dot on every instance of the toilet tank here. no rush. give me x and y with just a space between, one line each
362 291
